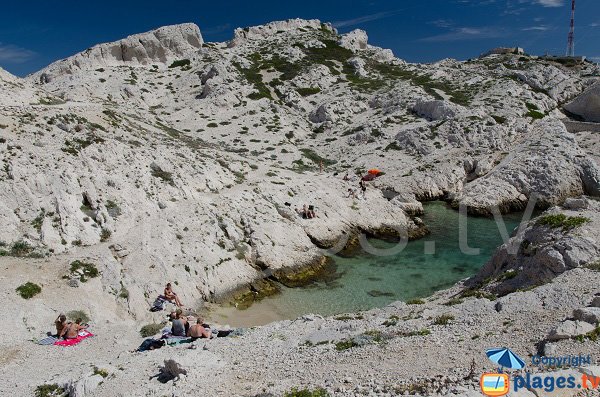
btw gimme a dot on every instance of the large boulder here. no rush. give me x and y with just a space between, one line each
570 329
588 314
355 40
587 105
437 110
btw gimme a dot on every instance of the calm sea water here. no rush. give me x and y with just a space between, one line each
367 281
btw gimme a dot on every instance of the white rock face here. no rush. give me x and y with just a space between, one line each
182 173
554 172
538 253
557 83
273 28
160 45
587 105
355 40
438 109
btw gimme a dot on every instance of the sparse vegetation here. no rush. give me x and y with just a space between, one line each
315 158
105 234
508 275
102 372
28 290
75 145
477 293
49 390
308 91
444 319
181 63
594 266
562 221
415 301
20 249
318 392
84 270
454 301
165 176
73 315
345 344
149 330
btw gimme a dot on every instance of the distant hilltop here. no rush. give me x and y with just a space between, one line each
503 51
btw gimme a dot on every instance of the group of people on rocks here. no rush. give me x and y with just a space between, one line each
181 326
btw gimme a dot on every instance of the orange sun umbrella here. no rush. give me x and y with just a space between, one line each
374 171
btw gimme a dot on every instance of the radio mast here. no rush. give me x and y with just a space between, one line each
571 40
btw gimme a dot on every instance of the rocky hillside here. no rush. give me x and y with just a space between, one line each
164 158
161 157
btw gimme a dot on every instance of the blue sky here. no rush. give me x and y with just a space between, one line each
35 33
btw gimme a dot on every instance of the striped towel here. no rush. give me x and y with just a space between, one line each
50 340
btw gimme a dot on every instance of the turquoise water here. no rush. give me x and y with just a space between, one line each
367 281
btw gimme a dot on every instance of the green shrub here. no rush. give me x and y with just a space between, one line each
315 158
73 315
21 248
149 330
510 274
39 220
105 234
345 344
102 372
421 332
165 176
28 290
444 319
124 293
49 390
85 269
180 63
594 266
454 301
308 91
415 302
563 221
477 293
318 392
499 119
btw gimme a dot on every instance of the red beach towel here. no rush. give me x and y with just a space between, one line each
72 342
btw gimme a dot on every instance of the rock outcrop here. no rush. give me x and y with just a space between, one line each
541 250
586 105
161 45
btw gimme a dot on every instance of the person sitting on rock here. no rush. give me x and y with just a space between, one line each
172 296
311 212
351 193
71 331
180 325
303 212
60 323
198 331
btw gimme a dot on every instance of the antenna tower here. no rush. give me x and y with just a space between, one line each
571 41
